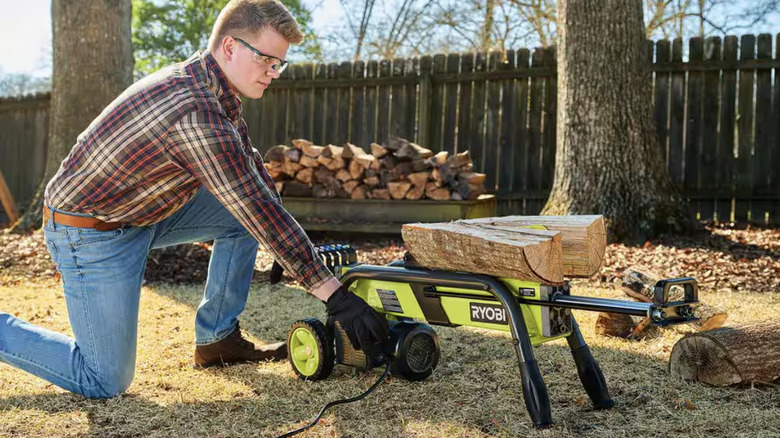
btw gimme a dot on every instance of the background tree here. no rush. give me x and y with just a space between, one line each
93 63
172 30
608 159
18 84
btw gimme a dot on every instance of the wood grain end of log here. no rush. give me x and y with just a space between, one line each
699 358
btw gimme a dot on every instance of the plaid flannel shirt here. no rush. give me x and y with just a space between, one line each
167 135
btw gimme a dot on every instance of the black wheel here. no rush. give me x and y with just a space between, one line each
310 349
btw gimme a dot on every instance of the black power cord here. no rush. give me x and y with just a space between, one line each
342 401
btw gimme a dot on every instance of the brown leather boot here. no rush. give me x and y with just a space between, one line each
235 348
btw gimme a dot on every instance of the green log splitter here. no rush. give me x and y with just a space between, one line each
413 298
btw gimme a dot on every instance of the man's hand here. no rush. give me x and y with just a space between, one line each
366 329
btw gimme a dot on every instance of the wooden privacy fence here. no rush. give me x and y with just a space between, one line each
24 125
717 116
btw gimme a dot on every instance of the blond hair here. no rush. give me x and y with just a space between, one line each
246 17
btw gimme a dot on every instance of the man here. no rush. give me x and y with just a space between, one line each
169 162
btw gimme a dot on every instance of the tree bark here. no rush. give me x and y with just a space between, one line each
729 355
608 159
93 64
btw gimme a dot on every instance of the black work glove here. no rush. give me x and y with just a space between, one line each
365 327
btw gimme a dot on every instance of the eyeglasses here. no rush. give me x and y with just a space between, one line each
276 64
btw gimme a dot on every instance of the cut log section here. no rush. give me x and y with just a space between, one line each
583 238
638 284
508 252
730 355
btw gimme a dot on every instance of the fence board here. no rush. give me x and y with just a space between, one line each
708 171
477 146
677 118
548 122
521 90
450 105
774 212
492 125
762 171
507 141
464 141
332 128
693 125
728 112
437 106
295 105
533 166
319 106
663 56
370 110
412 70
423 103
358 107
745 139
344 115
383 104
399 111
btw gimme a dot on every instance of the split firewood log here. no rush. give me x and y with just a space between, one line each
459 160
291 167
275 153
350 185
356 170
343 175
439 159
420 165
299 143
509 252
412 151
380 194
359 192
378 151
748 353
305 175
351 151
275 170
403 168
437 193
419 178
297 189
398 189
416 192
614 324
437 178
371 181
336 163
472 177
312 150
332 151
292 154
364 160
308 161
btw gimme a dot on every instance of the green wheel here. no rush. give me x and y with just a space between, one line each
310 350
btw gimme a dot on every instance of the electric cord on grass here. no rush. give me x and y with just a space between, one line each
339 402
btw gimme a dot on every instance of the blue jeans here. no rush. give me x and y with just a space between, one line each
102 273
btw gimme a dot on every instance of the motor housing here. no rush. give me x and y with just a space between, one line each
413 348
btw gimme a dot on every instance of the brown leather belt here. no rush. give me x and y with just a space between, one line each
79 221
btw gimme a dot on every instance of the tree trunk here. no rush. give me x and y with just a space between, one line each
608 158
729 355
93 64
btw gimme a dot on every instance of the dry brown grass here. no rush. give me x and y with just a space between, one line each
475 392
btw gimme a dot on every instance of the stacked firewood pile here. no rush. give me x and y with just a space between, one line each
399 169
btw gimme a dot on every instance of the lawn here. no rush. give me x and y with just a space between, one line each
474 392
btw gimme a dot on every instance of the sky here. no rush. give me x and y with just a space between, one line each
25 34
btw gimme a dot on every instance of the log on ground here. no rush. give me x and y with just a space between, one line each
518 253
726 356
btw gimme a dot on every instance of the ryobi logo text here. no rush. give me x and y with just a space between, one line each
488 313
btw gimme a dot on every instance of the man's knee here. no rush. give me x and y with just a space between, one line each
110 384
